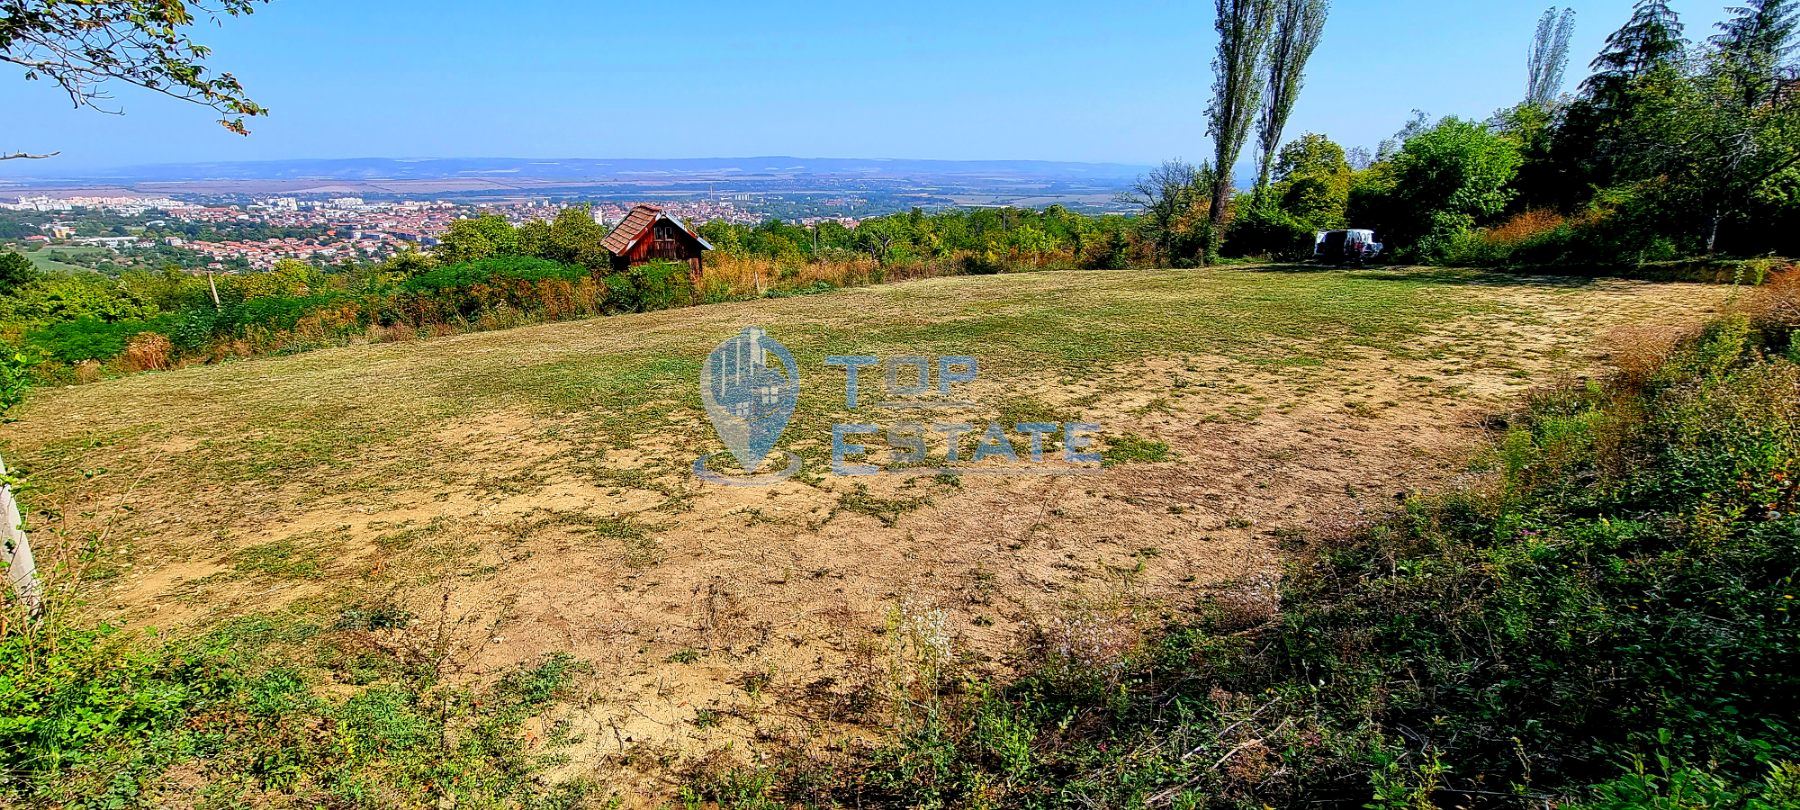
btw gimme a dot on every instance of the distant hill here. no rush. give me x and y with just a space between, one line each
578 170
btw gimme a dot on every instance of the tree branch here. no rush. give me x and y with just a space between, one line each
27 155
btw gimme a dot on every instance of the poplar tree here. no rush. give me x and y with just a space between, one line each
1243 27
1298 27
1549 57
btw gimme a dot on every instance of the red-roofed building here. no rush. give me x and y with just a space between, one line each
647 234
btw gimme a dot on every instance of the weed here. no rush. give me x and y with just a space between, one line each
887 510
1131 448
641 549
280 559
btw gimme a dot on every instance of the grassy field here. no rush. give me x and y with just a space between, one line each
50 259
530 489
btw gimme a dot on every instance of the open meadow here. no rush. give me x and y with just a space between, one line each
526 493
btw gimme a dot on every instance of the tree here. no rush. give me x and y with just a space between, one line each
1649 40
1298 27
408 263
1752 45
573 237
1170 197
467 240
82 46
1312 181
1540 182
878 238
1549 57
1613 133
15 272
288 278
1243 27
1730 133
1443 181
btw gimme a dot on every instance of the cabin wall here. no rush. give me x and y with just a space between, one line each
646 249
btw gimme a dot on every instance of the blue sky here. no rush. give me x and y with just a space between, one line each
1125 81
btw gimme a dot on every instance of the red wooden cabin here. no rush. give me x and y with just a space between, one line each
647 234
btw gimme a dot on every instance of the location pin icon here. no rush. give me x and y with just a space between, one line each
750 385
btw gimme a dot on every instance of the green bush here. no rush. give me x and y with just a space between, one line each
1265 230
275 312
489 271
648 287
15 377
90 338
99 717
69 297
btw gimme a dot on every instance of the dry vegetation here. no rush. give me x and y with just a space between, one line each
528 490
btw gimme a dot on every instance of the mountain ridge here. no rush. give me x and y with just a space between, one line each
410 168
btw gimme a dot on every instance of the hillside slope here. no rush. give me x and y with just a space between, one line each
535 483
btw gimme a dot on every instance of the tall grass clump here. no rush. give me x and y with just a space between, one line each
1605 619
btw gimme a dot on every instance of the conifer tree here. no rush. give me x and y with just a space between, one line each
1652 38
1754 42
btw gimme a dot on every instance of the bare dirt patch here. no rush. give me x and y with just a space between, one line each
539 478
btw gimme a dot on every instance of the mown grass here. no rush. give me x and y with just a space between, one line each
358 709
1607 620
627 379
240 438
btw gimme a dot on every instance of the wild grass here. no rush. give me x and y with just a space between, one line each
626 379
1131 448
380 721
100 718
1604 620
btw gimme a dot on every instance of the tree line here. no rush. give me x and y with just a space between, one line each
1669 148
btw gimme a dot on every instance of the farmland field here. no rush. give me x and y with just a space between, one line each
530 489
51 259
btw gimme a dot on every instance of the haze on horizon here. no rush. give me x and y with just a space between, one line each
1003 81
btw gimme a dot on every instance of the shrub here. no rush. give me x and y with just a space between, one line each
982 263
90 338
195 331
71 297
491 271
649 286
15 377
148 351
98 717
1265 230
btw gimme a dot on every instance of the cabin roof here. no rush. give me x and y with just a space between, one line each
636 224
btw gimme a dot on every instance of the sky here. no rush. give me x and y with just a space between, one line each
1125 81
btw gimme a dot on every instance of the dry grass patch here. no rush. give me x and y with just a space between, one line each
540 477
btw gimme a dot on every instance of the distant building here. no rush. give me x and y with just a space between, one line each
647 234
